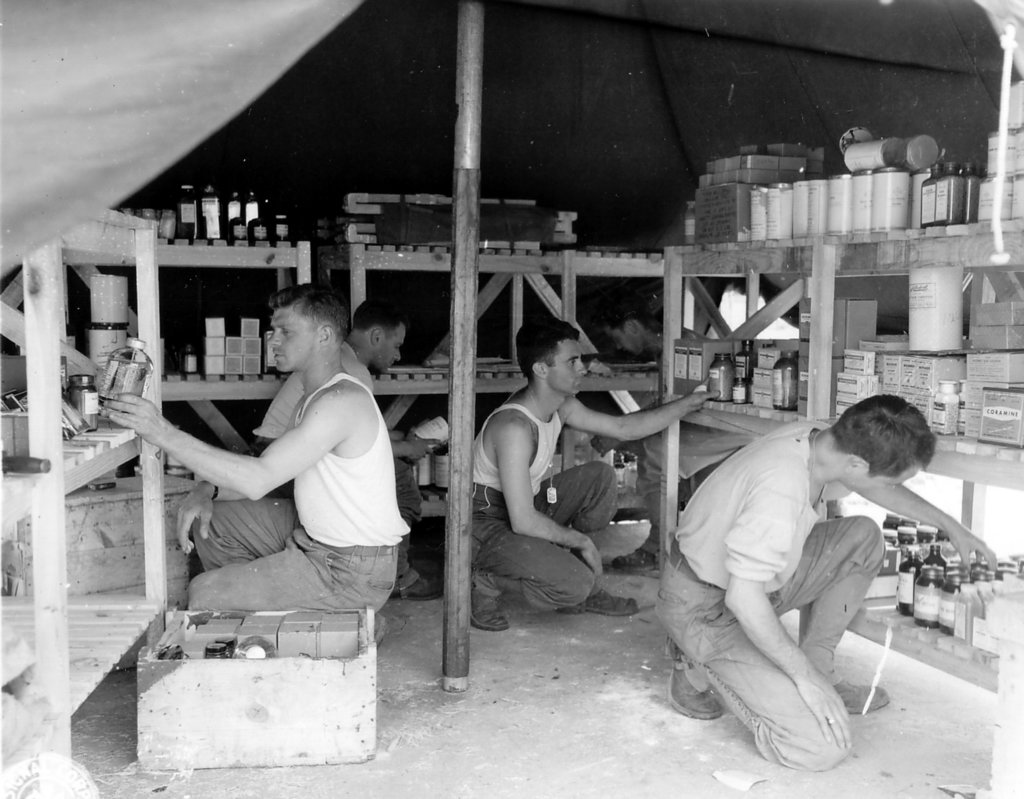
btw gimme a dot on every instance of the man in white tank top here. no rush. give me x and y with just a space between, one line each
531 532
334 546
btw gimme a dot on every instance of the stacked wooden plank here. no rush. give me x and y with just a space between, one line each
360 222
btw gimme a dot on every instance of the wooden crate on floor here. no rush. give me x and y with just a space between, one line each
280 711
104 543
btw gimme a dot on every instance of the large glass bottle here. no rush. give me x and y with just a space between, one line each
721 376
209 208
128 371
785 383
949 195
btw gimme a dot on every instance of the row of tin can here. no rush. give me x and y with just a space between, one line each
873 201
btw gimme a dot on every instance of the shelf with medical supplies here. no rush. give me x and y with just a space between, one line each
77 640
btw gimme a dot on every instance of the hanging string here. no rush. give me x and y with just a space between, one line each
1008 42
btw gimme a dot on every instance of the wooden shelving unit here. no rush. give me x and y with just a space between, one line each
75 641
820 262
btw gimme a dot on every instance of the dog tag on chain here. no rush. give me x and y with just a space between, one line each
552 495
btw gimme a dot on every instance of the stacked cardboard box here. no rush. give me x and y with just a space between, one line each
722 206
997 325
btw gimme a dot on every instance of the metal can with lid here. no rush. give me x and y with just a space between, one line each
863 188
890 193
758 213
817 206
801 208
83 396
840 204
779 222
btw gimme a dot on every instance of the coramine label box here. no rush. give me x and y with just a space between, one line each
278 711
1002 417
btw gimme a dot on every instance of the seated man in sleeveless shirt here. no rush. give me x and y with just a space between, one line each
531 531
334 546
753 544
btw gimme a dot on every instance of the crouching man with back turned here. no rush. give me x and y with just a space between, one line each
752 545
334 547
531 533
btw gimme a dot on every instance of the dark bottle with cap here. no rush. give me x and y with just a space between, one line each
972 191
935 558
927 594
928 191
947 600
236 219
187 214
910 565
949 195
259 227
746 360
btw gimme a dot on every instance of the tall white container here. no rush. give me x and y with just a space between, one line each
936 308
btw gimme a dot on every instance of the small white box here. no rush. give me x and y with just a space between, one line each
215 327
252 346
859 385
249 328
232 364
251 364
213 345
861 362
213 365
233 345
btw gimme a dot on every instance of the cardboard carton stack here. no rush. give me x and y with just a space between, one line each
232 355
722 205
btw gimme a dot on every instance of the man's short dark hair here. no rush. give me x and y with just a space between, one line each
314 302
538 340
377 313
887 432
615 311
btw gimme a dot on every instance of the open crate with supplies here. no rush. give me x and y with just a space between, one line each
308 697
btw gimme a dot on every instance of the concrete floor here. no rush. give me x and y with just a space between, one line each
570 706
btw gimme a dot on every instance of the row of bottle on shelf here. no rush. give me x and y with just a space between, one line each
207 218
938 590
743 380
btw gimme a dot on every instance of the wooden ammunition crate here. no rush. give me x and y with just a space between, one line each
281 711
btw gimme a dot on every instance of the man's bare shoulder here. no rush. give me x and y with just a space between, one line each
344 394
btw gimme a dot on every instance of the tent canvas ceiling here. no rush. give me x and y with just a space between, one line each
609 109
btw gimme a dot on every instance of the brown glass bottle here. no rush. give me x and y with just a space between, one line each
927 593
910 566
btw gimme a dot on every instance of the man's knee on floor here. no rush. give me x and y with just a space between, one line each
815 757
566 593
203 593
599 473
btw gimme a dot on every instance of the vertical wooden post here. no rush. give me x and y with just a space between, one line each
671 329
43 318
822 293
461 380
154 542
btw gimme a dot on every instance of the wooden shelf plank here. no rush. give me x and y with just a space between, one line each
932 647
78 476
190 390
101 629
227 257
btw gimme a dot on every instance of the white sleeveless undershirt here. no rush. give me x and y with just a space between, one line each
485 471
351 501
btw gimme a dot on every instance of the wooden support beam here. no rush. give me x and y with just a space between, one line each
13 327
14 294
668 510
462 324
771 312
221 427
710 309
